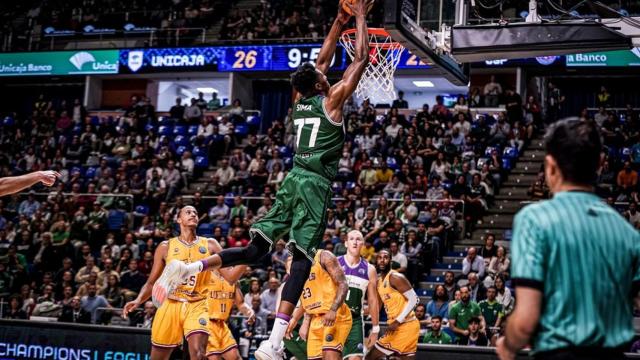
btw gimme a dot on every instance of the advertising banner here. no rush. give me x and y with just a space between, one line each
619 58
59 63
60 341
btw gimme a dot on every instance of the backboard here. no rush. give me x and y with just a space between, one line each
414 23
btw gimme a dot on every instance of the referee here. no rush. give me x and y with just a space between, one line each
575 260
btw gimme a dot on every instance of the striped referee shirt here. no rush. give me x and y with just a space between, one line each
584 257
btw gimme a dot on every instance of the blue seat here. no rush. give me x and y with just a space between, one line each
206 229
95 121
193 130
392 163
181 140
141 210
424 292
337 187
288 162
625 154
225 228
253 120
202 162
215 138
165 120
351 185
241 130
180 130
434 278
510 152
165 130
456 254
149 127
116 219
77 130
285 151
90 173
448 266
181 149
507 163
199 151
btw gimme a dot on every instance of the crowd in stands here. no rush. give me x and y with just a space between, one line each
274 19
33 18
619 165
279 19
186 20
411 183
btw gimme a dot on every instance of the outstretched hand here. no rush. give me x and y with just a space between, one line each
359 7
48 177
129 307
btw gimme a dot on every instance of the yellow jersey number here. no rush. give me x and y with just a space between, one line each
306 293
191 281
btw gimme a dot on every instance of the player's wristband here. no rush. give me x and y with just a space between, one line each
375 329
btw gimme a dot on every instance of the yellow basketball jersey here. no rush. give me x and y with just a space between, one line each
319 291
392 299
195 287
220 297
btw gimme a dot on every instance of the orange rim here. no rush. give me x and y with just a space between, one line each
377 32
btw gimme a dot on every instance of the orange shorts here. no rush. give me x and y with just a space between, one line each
220 338
402 342
175 320
322 338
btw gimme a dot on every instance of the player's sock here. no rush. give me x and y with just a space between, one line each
280 326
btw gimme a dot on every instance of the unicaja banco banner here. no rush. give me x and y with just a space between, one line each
81 62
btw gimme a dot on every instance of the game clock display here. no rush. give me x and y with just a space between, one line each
275 57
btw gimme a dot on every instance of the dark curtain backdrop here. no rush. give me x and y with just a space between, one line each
273 98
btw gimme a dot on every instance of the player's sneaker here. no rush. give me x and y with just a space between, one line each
266 351
171 276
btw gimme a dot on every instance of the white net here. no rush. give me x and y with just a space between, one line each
377 81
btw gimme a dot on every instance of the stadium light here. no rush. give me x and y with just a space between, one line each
423 84
207 90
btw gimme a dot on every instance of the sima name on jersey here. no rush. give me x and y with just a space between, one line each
301 107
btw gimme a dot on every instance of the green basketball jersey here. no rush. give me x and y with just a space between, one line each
319 139
358 279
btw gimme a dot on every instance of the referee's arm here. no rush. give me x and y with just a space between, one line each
13 184
528 267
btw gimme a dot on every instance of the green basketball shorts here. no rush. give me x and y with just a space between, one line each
355 341
300 210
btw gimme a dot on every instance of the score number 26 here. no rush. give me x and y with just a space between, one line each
297 57
245 59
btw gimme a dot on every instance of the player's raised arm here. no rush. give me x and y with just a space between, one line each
156 271
328 49
340 92
330 263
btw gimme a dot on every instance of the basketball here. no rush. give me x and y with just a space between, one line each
346 8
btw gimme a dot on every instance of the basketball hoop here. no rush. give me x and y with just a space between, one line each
384 54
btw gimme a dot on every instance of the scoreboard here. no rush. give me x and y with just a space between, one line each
244 58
